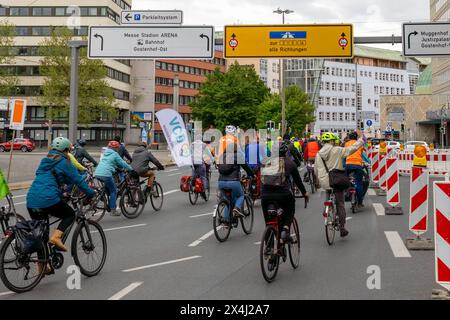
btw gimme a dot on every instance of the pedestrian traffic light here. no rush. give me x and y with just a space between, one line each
402 127
361 125
420 156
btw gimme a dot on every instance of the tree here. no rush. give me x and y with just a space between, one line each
230 98
299 110
8 80
94 94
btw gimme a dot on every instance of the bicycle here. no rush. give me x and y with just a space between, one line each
331 218
155 193
205 193
222 228
250 186
273 248
132 198
311 175
8 214
352 193
87 240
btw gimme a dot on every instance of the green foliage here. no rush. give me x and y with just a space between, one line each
299 110
8 81
230 98
94 94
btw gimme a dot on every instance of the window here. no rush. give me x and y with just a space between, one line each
22 31
353 88
347 102
334 116
334 102
320 100
93 11
341 116
353 116
320 115
403 91
333 86
40 31
341 102
37 113
347 87
375 103
327 86
60 11
340 85
376 75
328 116
347 116
42 12
369 101
353 102
19 11
2 11
333 71
327 101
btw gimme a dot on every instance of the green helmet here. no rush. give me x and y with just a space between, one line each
327 136
61 144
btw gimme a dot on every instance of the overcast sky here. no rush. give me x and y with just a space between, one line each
369 17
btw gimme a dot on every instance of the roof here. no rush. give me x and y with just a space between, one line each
424 82
378 53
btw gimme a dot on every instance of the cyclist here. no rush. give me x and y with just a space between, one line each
110 162
229 138
45 196
81 153
295 155
281 191
123 152
333 156
142 157
254 151
230 164
311 148
201 156
354 164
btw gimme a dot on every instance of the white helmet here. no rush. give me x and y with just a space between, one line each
230 130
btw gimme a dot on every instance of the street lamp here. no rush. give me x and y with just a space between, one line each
176 92
282 93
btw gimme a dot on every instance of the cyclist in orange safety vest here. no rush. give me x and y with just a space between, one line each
354 164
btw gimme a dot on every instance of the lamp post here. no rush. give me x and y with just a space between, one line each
176 92
281 75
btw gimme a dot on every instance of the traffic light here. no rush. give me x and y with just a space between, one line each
361 125
402 127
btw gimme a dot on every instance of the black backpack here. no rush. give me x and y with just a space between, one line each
226 169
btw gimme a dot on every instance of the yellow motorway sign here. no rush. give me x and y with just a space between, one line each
289 41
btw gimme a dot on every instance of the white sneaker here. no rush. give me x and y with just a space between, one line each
114 213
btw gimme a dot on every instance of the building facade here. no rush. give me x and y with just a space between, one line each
33 23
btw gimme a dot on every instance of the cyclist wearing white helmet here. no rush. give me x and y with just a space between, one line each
229 140
45 196
329 158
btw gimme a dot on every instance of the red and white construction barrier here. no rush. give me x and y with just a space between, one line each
442 232
382 176
438 163
375 168
418 206
393 185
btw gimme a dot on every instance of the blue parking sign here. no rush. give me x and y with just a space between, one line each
369 123
137 17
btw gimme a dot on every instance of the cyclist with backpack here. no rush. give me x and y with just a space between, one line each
276 186
230 163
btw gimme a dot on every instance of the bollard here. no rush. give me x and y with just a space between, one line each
418 210
441 210
374 170
393 188
382 173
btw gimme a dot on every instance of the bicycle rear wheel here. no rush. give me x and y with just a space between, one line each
19 272
157 196
312 182
222 228
193 196
89 247
269 259
132 202
330 230
247 220
294 246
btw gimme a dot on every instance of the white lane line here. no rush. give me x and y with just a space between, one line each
126 227
397 245
122 293
173 170
202 238
161 264
371 192
171 191
6 293
379 209
175 174
21 196
202 215
258 243
19 203
349 218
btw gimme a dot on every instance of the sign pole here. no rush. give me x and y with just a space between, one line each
11 154
73 111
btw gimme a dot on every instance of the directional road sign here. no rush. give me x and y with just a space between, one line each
152 17
147 42
283 41
426 39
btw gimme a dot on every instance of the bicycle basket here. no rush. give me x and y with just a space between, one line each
29 235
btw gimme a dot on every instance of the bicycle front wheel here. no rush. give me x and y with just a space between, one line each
330 231
89 247
294 246
269 258
221 227
20 272
97 209
157 196
247 220
132 202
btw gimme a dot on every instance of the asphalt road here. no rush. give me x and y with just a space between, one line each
178 257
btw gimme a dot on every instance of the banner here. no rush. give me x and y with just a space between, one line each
174 130
4 189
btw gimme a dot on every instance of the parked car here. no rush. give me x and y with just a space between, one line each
390 145
23 144
410 145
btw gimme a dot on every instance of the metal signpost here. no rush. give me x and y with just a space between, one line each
426 39
146 17
147 42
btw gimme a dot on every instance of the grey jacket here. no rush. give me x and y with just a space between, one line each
141 159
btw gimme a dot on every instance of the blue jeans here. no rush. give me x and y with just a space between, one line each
111 190
359 173
237 195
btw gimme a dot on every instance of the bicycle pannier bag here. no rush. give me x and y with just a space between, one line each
29 235
184 183
198 185
273 173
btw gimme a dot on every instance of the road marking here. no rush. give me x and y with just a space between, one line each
122 293
19 203
126 227
371 192
175 174
379 209
161 264
397 245
173 170
202 215
171 191
202 238
348 218
258 243
21 196
6 293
